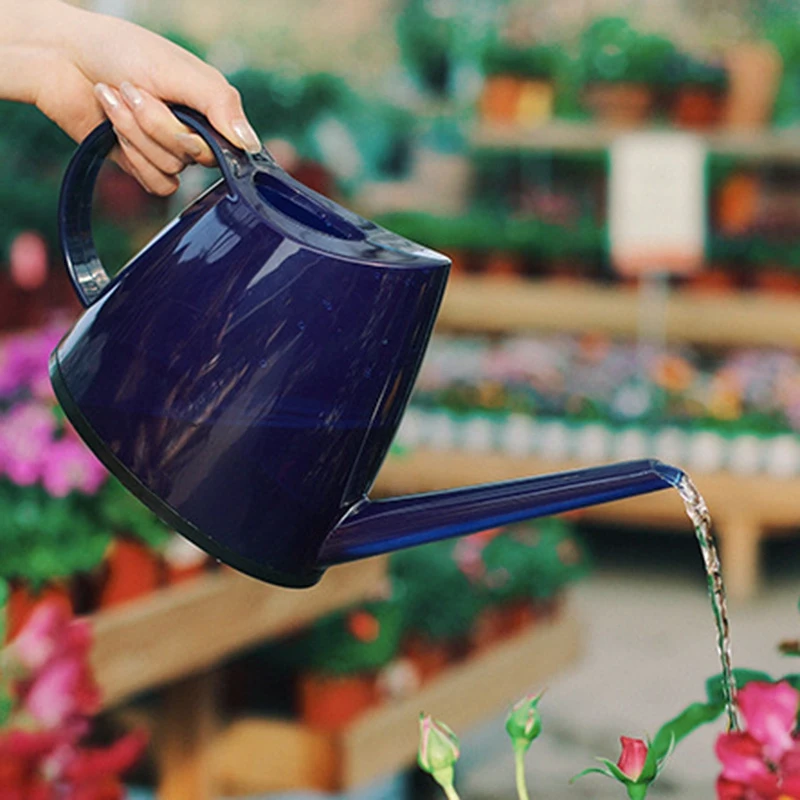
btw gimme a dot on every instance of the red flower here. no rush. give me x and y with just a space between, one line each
763 762
633 756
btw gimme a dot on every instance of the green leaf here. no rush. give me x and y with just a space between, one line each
615 770
588 771
741 676
682 725
793 679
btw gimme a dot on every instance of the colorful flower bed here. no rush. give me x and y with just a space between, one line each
594 399
444 602
48 697
67 527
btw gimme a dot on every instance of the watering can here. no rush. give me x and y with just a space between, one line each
245 373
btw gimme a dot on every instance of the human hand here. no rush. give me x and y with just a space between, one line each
79 68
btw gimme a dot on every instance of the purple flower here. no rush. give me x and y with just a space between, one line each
71 467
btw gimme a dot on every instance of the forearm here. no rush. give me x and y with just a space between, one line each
32 31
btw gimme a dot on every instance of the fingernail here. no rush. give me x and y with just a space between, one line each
191 144
131 94
248 138
106 95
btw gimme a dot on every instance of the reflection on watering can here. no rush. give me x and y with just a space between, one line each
245 373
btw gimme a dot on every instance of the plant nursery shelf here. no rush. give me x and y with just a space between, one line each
254 756
494 305
577 138
191 627
744 507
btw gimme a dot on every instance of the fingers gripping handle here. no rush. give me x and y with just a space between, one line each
86 271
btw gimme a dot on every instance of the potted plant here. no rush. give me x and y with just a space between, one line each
622 71
339 658
520 83
699 98
48 698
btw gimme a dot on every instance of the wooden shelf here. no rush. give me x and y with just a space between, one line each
745 508
565 137
193 626
250 756
494 305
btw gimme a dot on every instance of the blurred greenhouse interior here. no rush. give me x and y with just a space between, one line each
617 186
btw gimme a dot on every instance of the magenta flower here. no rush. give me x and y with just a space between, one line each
71 467
37 642
762 762
25 436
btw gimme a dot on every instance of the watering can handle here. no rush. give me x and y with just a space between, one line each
88 276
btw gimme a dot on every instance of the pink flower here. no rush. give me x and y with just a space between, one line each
633 756
62 691
763 762
770 711
25 436
38 641
70 466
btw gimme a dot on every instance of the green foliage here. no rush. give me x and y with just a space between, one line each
331 645
531 62
741 676
45 538
123 513
441 601
533 560
611 50
683 724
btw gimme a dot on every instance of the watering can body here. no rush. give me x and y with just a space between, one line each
245 373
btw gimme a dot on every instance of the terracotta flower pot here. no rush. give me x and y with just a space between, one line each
133 571
506 266
777 281
697 107
329 702
500 98
23 600
714 280
429 658
619 104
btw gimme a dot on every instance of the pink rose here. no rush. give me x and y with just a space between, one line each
633 756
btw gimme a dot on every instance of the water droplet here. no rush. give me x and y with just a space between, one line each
384 342
301 325
263 363
327 305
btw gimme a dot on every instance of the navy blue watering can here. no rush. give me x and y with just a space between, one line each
245 373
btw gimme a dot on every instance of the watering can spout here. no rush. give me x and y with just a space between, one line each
382 526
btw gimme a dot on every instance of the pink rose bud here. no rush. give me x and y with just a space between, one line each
634 754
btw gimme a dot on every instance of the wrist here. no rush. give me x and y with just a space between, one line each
37 23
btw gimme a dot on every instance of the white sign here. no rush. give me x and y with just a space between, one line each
657 203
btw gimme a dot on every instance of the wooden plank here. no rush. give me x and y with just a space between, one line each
773 502
186 729
566 137
385 739
191 627
255 756
495 306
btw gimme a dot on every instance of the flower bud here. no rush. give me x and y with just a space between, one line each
438 745
524 723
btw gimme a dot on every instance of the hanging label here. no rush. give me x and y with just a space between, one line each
657 203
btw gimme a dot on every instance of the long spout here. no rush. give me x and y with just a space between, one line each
382 526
